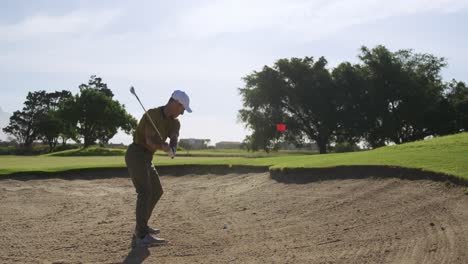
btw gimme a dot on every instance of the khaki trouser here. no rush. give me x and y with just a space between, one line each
145 178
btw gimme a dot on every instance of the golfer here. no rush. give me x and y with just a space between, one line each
145 178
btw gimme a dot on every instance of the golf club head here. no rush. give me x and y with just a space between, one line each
132 90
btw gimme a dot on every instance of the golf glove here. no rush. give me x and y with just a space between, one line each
172 147
172 152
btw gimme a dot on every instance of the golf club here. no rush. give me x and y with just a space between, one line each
132 90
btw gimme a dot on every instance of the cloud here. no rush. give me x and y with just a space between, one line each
44 26
4 119
183 44
314 18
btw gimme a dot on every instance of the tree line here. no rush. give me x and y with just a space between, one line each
388 97
92 115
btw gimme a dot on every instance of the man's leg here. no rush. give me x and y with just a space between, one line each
157 189
138 170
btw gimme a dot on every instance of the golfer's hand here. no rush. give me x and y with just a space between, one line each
172 152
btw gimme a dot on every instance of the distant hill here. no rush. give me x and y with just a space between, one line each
4 119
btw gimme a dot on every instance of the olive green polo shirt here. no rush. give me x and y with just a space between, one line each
167 127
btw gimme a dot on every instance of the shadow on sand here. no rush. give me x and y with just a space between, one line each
308 175
106 173
285 175
136 255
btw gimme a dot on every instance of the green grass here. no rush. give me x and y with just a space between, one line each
13 164
89 151
447 155
236 153
99 151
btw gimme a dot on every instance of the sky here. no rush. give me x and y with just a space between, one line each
205 47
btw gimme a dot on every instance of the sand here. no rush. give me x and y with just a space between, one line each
236 218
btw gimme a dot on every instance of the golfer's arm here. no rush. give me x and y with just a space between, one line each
174 136
151 144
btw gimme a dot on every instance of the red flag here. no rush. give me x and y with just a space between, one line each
280 127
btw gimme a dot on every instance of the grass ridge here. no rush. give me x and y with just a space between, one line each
446 155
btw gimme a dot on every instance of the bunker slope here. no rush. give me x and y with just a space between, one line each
236 218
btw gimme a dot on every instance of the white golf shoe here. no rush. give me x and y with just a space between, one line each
148 241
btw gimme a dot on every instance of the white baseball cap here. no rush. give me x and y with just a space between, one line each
182 97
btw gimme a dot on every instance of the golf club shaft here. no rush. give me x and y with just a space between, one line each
149 117
132 90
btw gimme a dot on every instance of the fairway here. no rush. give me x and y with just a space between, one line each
444 155
236 218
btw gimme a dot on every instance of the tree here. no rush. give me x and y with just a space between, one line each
51 124
97 115
23 124
263 129
69 128
457 98
298 92
353 102
39 118
21 128
404 88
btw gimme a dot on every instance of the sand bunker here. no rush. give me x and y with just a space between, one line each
236 218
